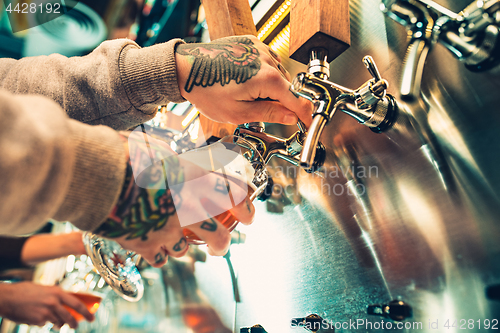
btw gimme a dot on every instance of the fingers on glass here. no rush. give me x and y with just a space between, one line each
161 258
63 316
228 192
77 305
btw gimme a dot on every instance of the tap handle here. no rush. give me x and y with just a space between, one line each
373 90
372 68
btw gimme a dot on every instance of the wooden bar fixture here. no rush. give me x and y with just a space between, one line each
229 18
319 24
225 18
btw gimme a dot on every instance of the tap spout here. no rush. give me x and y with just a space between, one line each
417 16
308 154
287 149
322 93
413 68
270 145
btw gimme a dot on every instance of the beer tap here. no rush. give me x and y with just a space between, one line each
370 105
287 149
471 36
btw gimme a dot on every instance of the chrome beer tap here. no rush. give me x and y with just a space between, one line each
471 36
287 149
369 104
291 149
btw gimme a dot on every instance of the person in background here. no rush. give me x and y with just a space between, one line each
30 303
62 157
19 252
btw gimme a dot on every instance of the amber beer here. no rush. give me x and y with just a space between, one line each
227 219
91 301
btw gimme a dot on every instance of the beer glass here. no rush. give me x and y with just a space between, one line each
84 285
82 282
233 157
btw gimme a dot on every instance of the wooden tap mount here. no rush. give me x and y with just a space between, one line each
229 18
319 23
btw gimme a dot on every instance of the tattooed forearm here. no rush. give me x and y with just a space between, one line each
234 58
143 209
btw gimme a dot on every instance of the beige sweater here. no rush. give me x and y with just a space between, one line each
52 166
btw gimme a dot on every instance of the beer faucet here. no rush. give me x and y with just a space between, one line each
370 105
288 149
292 149
471 36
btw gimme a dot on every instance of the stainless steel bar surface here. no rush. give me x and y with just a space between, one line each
412 214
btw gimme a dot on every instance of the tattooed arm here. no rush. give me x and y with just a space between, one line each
238 80
164 197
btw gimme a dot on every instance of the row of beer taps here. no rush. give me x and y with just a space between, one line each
471 36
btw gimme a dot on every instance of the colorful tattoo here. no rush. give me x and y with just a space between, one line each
209 226
233 58
145 208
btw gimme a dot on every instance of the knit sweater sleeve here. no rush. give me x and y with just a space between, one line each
54 167
119 84
10 252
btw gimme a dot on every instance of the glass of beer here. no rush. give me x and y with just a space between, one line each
86 285
233 157
92 300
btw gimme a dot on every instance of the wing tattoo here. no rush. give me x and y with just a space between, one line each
234 58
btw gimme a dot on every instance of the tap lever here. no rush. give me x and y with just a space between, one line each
372 68
379 86
373 90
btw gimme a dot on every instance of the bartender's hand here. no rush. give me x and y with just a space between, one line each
228 78
32 304
162 190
